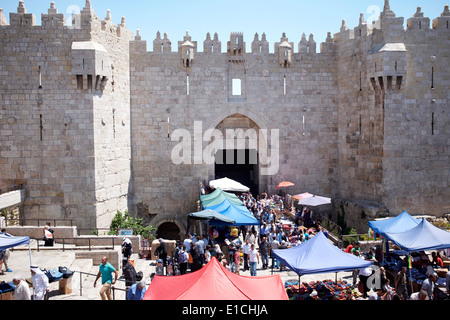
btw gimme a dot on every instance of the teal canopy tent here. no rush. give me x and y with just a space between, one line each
210 215
217 197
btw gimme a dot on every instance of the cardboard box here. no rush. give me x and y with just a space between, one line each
65 286
7 296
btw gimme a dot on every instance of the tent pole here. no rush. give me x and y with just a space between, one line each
410 275
273 259
29 253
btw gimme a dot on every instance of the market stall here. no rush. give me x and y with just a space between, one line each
401 223
414 242
424 236
215 282
319 255
326 290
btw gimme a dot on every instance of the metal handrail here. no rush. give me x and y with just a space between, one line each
94 275
88 239
113 288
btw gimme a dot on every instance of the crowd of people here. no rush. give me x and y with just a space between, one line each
243 248
248 247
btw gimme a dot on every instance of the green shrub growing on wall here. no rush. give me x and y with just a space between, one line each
125 221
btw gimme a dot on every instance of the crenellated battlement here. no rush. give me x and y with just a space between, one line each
85 20
388 29
388 26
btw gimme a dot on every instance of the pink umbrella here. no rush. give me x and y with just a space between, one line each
302 196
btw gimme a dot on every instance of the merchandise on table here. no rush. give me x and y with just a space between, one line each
325 289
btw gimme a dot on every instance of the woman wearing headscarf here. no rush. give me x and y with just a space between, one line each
40 283
219 253
161 251
127 250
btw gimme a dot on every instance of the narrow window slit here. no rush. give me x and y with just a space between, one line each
432 77
40 78
432 123
41 127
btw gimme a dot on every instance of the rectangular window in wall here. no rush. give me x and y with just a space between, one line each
236 87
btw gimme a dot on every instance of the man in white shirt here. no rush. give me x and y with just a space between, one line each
40 283
364 275
201 250
187 242
250 237
253 259
22 290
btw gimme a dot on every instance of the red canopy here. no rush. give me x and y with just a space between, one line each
215 282
285 184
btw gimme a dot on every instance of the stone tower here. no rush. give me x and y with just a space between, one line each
65 96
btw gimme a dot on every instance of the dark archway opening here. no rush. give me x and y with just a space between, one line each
168 231
240 165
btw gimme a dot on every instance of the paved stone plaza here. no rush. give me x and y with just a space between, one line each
53 258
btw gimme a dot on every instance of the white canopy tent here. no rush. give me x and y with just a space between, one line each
227 184
314 201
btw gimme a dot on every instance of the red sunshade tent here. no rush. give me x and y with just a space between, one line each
215 282
301 196
285 184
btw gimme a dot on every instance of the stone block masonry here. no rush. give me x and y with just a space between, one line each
66 115
87 114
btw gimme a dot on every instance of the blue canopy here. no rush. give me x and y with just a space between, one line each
424 236
239 214
9 241
209 214
319 255
401 223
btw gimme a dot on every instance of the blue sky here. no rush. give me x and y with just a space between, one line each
249 16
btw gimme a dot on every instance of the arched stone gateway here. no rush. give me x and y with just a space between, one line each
169 231
169 228
245 152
